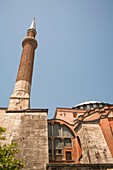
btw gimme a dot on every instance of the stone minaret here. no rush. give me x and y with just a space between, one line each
20 99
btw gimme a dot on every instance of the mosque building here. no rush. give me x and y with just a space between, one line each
77 138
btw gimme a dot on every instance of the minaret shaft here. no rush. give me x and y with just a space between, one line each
26 64
20 99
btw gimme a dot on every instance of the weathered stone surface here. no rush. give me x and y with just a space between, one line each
29 131
94 146
79 166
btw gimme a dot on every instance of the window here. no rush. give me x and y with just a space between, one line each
67 132
58 151
67 142
88 107
60 138
81 107
74 115
49 130
100 105
57 129
50 149
94 105
68 155
57 144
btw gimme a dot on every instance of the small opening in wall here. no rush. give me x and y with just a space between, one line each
68 155
74 115
50 151
59 151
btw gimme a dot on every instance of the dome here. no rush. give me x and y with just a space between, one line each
88 105
87 102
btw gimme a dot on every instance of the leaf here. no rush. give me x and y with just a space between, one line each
7 155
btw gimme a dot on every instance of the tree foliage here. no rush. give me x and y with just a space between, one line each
7 155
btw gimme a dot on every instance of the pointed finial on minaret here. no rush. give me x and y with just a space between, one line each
33 25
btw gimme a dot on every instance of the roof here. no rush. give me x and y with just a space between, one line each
87 102
33 24
90 105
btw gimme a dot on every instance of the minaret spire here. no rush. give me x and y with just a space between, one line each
33 24
20 99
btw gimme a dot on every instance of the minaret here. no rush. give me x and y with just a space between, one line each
20 99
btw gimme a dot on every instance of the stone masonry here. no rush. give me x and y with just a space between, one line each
29 130
79 166
80 138
94 146
27 127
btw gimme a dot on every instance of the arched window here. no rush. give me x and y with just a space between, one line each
60 142
67 132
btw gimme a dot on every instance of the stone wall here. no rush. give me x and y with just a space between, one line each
29 130
94 146
80 167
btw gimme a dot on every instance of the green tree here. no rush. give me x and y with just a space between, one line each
7 155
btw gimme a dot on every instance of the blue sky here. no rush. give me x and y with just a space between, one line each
74 60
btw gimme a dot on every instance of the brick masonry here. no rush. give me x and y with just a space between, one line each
20 99
27 60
